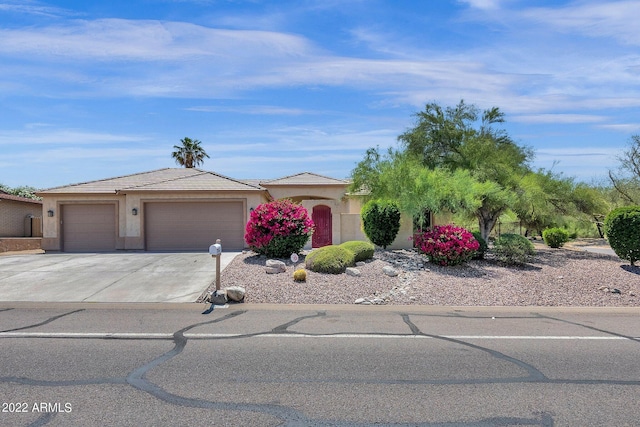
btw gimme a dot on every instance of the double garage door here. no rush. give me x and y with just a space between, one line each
168 226
193 226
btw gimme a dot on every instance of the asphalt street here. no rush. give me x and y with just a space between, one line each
266 365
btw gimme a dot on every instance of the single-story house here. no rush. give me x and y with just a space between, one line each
177 209
19 216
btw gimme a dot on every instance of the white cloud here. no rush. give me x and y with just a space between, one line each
68 137
558 118
622 127
616 19
253 109
483 4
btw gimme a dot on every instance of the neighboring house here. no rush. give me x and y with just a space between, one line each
177 209
19 216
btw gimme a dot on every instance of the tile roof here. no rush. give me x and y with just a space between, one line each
305 178
6 196
168 179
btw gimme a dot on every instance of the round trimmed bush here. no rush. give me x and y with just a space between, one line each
278 229
555 237
447 244
482 245
330 259
513 249
361 250
622 227
381 222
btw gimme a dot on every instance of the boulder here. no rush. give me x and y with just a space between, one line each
218 297
276 264
390 271
235 293
352 271
272 270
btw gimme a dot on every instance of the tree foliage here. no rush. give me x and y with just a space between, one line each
452 159
190 154
25 191
459 159
626 180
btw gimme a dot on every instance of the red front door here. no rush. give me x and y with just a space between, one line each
321 217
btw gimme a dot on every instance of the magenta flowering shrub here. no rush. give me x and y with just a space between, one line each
278 229
447 244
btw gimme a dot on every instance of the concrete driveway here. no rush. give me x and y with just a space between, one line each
108 277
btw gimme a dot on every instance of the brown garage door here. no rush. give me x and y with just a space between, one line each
193 226
89 228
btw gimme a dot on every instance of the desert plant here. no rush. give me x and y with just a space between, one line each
381 222
300 275
482 245
278 229
513 249
622 228
446 244
331 259
361 250
555 237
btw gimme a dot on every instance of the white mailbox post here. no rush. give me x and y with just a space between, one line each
216 250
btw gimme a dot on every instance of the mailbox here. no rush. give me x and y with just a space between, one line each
215 249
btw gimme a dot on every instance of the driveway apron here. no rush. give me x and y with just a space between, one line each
108 277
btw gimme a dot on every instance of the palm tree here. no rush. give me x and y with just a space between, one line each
190 154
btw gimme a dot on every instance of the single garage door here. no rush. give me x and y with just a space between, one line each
89 228
193 226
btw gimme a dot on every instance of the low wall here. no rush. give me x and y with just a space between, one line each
20 243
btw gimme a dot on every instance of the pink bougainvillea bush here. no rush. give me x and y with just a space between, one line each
447 244
278 229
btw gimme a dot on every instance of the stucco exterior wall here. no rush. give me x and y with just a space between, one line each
130 227
12 216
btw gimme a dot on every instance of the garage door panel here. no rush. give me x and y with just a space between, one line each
193 225
89 228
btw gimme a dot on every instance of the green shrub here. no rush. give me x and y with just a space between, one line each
483 245
555 237
513 249
361 250
622 227
329 259
381 222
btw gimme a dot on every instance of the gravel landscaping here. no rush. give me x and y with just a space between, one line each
556 277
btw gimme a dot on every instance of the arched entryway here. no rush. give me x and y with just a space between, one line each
321 216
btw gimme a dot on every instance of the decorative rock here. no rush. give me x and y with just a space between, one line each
274 263
359 301
352 271
361 263
390 271
632 294
235 293
272 270
218 297
603 288
615 291
377 301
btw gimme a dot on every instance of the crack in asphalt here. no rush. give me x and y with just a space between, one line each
49 320
534 374
292 417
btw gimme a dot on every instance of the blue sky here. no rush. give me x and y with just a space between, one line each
92 90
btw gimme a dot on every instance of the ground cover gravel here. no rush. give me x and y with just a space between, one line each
556 277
